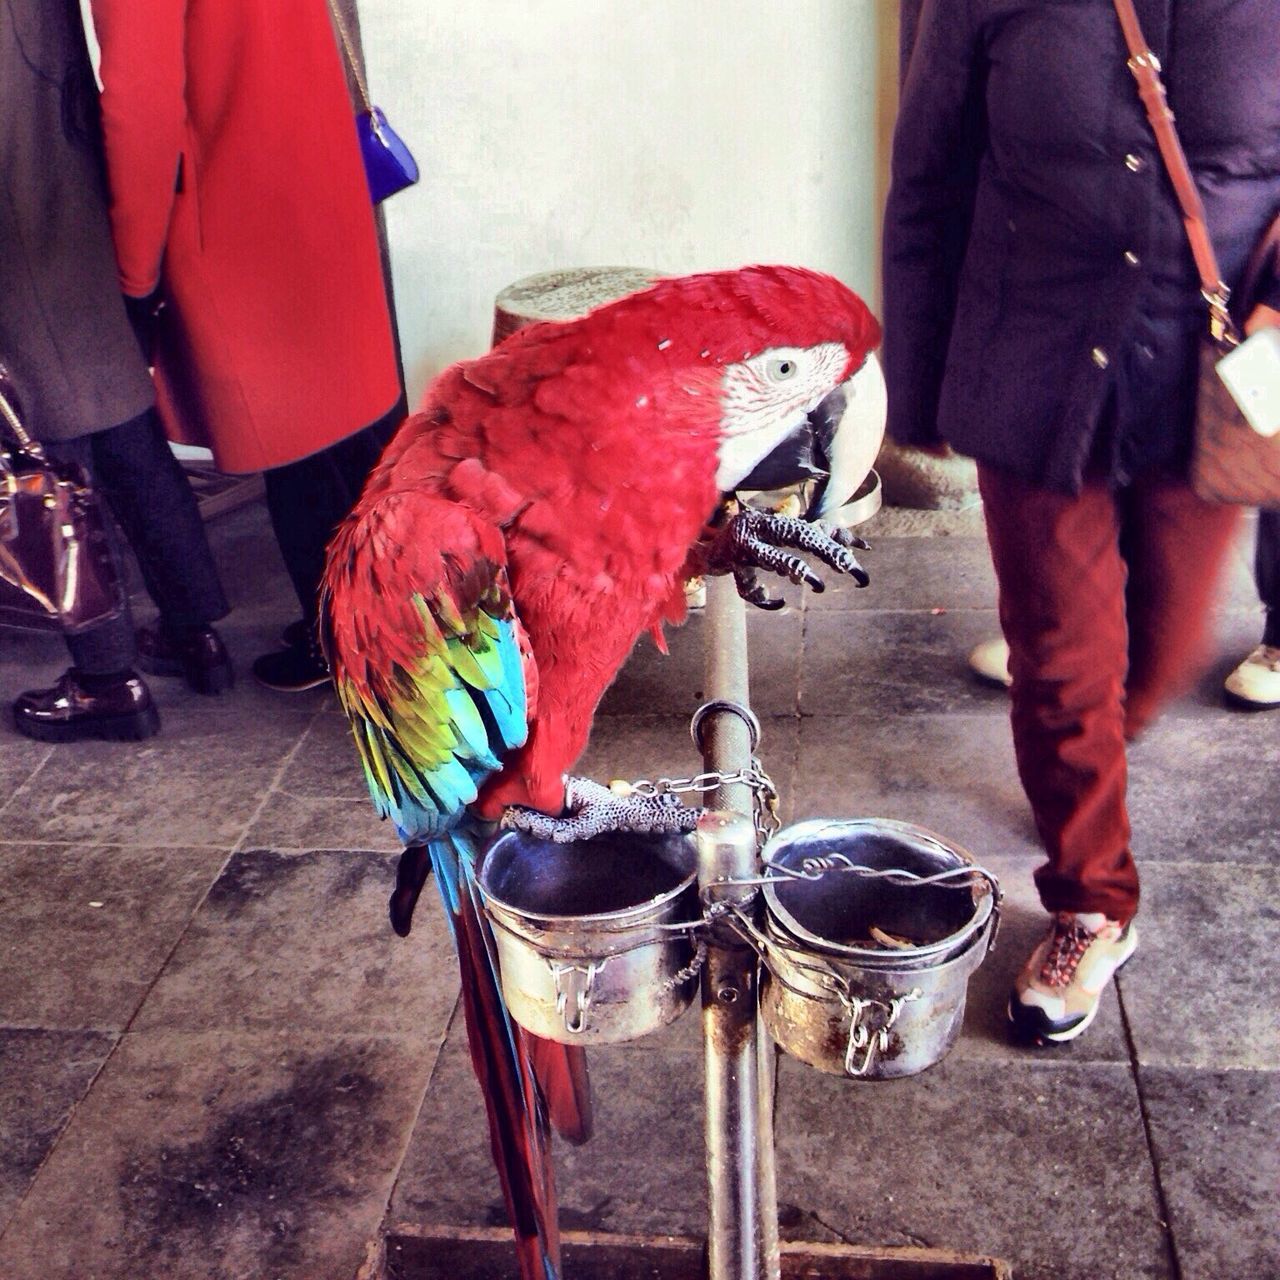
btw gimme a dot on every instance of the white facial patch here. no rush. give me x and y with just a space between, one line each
766 398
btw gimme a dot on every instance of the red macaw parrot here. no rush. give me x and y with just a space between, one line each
522 530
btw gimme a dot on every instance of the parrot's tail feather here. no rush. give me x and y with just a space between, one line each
500 1054
562 1075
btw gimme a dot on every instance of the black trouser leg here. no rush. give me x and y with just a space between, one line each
308 499
150 497
1266 567
107 649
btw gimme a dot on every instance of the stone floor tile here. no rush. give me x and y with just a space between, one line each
198 782
20 758
321 800
300 823
1214 1134
893 663
43 1075
652 683
952 773
301 942
223 1157
642 1170
1045 1165
84 929
450 1181
915 573
1202 991
326 763
1201 783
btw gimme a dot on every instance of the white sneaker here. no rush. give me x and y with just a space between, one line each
695 594
1056 995
989 661
1256 681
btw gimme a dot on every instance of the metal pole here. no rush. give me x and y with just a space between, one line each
742 1236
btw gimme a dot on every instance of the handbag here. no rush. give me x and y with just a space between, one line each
57 569
1230 461
388 163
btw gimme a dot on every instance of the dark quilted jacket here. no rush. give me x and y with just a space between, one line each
1038 284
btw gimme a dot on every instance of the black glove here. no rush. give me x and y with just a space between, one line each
144 316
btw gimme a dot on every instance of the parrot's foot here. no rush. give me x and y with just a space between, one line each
753 540
411 874
594 810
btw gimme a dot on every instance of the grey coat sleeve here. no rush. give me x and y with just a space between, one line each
937 146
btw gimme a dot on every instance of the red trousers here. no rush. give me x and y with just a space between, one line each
1105 600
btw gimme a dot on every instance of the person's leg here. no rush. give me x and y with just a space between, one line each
307 500
1061 579
101 695
151 499
1062 609
1266 568
1176 546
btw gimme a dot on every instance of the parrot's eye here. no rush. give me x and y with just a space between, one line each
781 370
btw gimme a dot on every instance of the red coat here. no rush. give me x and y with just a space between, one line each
236 181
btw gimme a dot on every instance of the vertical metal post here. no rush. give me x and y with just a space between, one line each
742 1236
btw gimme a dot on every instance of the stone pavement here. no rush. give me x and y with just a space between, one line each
216 1060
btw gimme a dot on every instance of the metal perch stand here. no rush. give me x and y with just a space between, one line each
742 1236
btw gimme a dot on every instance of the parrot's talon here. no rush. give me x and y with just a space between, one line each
752 592
753 539
594 810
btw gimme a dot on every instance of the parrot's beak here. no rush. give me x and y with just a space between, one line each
836 445
847 429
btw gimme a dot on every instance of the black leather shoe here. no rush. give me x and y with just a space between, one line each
297 634
80 707
197 653
301 666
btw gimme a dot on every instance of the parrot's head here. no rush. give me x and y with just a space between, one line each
789 354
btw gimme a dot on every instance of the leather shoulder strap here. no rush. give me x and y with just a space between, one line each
1146 71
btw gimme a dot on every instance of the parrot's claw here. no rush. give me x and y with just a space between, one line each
594 810
752 592
753 540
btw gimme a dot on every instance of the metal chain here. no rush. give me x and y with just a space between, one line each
690 971
764 793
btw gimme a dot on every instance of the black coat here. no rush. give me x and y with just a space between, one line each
1037 278
63 329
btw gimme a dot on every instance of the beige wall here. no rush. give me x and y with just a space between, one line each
677 134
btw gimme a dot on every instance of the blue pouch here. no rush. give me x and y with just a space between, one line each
388 163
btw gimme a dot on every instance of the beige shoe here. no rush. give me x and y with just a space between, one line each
989 661
1256 681
1056 995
